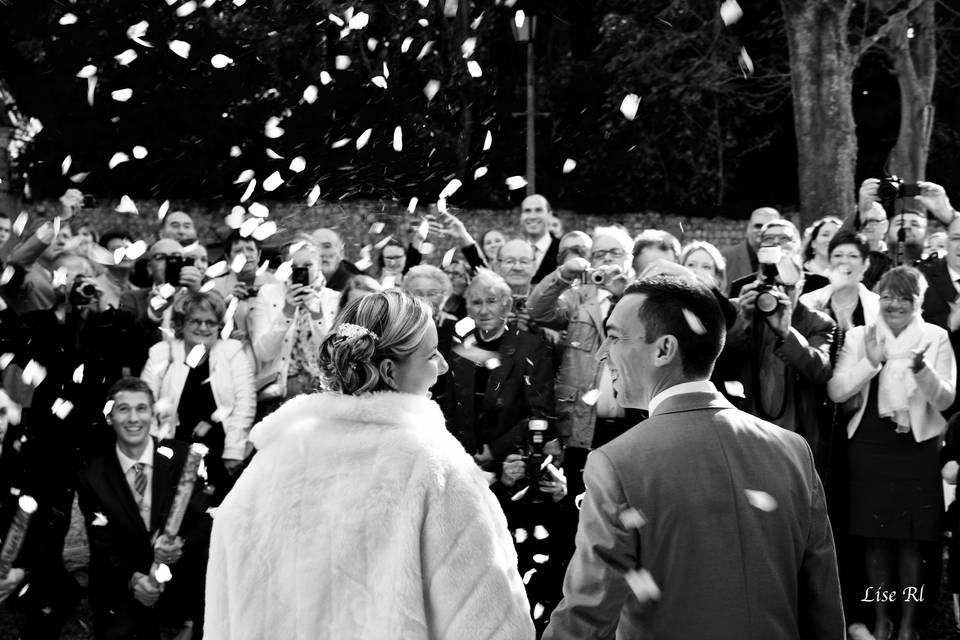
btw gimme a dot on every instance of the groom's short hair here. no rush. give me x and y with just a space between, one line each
686 309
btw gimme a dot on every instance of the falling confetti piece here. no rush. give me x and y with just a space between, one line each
379 81
629 106
538 610
220 61
383 243
519 18
235 218
180 48
569 165
516 182
342 142
325 78
746 64
239 262
118 158
643 585
166 452
734 388
126 57
59 276
492 363
136 31
397 139
77 178
166 290
162 211
451 188
405 45
540 558
258 210
412 205
448 258
427 248
487 141
273 155
78 375
88 71
468 46
730 12
431 89
162 574
464 326
342 62
186 9
590 397
371 43
265 230
519 495
473 68
5 360
139 152
8 273
196 355
313 196
245 176
235 151
273 181
632 518
61 408
136 249
251 187
20 223
761 500
272 129
694 322
209 285
67 19
540 533
528 575
310 94
65 165
126 206
425 50
99 520
33 374
298 164
479 173
216 270
363 139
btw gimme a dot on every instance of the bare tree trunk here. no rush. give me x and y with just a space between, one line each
912 48
821 70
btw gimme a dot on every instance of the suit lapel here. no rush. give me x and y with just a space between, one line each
508 352
116 484
160 493
943 284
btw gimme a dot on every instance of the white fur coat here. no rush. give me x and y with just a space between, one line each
362 518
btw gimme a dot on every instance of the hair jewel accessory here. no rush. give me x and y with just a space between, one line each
347 330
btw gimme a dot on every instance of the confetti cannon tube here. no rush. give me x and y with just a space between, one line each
16 534
188 478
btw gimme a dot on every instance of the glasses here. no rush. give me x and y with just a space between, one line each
511 262
771 240
161 257
433 293
887 299
613 253
873 222
197 323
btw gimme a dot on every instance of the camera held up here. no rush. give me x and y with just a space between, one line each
536 461
601 276
891 189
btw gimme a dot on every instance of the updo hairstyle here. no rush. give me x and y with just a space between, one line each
396 324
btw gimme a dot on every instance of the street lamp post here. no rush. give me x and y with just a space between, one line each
524 30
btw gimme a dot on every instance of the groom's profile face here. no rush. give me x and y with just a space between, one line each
627 353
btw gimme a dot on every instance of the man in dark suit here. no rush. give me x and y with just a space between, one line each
941 302
535 215
742 257
714 519
126 495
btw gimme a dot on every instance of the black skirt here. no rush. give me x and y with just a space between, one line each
895 487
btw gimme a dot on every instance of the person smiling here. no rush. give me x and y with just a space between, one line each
845 299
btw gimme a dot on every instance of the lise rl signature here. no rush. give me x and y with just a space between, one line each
879 594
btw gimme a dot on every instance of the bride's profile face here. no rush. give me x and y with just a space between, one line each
417 373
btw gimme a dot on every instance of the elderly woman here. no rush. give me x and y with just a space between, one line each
706 262
903 373
204 386
360 516
500 376
288 322
845 299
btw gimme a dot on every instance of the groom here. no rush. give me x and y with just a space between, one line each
703 521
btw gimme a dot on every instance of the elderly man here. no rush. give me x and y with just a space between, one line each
714 519
742 257
781 355
574 244
516 265
334 268
652 245
499 377
587 413
178 225
535 214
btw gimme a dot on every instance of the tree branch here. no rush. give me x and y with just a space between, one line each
886 28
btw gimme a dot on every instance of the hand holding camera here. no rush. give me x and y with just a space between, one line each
514 468
574 268
85 293
934 198
70 203
180 272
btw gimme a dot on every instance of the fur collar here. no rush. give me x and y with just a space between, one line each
331 412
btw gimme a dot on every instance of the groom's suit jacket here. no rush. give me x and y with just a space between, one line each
735 536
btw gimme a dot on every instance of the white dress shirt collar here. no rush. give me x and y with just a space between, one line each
146 457
697 386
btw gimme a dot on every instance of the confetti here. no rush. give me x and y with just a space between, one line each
519 18
451 188
7 274
519 495
325 78
590 397
569 165
139 152
126 57
431 89
88 71
516 182
220 61
60 277
67 19
379 81
540 533
310 94
166 452
118 158
126 206
298 164
136 32
425 50
238 263
427 248
412 205
195 356
492 363
342 142
62 408
273 181
166 290
235 151
631 518
108 407
629 106
251 187
33 374
313 196
265 230
162 211
746 64
540 558
397 139
180 48
730 12
272 128
464 326
643 585
383 243
363 139
376 228
473 68
245 176
734 388
342 62
77 178
162 574
405 45
99 520
65 165
216 270
538 611
448 258
479 173
694 322
487 141
273 155
78 375
136 249
209 285
761 500
528 575
249 226
186 9
468 46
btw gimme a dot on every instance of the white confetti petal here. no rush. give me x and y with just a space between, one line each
258 210
209 285
694 322
448 258
397 139
405 45
746 63
761 500
78 375
643 585
363 139
359 20
65 165
538 610
412 205
162 211
166 291
34 373
196 355
77 178
220 61
590 397
342 62
245 176
118 158
473 68
139 152
313 196
487 141
136 31
126 57
464 326
629 106
479 173
235 218
126 206
516 182
239 261
162 574
265 230
730 12
273 155
180 48
379 81
235 151
251 187
216 270
734 388
431 89
540 558
425 50
135 250
310 94
166 452
540 533
5 360
99 520
88 71
62 408
67 19
342 142
528 575
273 129
186 9
451 188
492 363
298 164
632 518
569 165
8 273
468 46
427 248
325 78
273 181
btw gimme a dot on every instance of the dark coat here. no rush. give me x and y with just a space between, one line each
520 388
936 308
345 271
549 262
123 546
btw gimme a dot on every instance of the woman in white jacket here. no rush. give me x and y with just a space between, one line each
901 373
361 516
204 386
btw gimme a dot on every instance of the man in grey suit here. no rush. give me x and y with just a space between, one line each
702 521
742 257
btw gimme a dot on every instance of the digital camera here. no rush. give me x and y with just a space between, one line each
174 265
891 189
83 292
769 258
534 458
601 275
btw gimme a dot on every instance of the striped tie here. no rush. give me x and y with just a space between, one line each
139 479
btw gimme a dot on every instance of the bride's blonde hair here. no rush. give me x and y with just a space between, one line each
389 324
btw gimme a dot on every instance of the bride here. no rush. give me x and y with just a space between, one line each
361 516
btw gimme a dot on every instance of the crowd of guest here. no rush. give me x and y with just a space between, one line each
120 351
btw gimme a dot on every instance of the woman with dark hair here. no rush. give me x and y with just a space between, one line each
361 516
816 256
902 372
490 243
204 386
845 299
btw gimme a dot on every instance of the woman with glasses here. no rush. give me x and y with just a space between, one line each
901 373
204 386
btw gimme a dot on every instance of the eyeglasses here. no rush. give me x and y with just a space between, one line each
433 293
887 299
771 240
511 262
613 253
196 323
872 222
161 257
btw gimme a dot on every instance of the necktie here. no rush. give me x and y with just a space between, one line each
139 479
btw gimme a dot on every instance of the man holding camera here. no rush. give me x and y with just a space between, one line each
742 257
781 347
587 414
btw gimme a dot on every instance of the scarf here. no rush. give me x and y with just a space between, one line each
896 385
